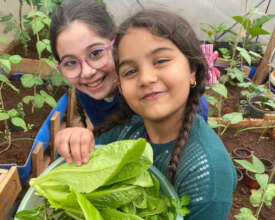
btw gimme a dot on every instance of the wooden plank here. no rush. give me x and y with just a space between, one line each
32 66
9 189
71 106
2 174
55 126
264 68
247 122
37 160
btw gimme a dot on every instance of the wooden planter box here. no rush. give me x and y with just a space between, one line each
27 65
268 120
9 189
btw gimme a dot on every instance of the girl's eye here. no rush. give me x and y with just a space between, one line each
69 63
95 54
161 61
128 72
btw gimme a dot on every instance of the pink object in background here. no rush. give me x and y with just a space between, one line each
210 56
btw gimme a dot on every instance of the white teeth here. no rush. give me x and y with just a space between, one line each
95 83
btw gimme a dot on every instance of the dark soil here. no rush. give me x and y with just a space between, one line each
19 150
27 52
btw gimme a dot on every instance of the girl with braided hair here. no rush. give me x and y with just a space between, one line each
82 35
162 74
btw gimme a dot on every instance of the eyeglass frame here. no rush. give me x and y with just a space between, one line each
80 60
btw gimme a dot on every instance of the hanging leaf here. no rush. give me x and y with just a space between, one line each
48 99
15 59
234 117
220 89
40 46
19 122
38 101
5 64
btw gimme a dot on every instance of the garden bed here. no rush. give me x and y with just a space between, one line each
19 150
263 147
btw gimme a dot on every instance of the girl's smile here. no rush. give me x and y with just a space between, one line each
97 83
154 74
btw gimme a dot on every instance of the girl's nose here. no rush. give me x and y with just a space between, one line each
147 76
87 70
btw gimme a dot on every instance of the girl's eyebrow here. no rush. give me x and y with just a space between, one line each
155 51
87 49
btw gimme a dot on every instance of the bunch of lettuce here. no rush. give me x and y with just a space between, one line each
114 184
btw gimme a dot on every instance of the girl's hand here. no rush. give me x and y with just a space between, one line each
74 143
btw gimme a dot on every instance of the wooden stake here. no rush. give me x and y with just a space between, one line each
55 126
9 189
71 106
37 160
264 68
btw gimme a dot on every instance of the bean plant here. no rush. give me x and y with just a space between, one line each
14 115
264 195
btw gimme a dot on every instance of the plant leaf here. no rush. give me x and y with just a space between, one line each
27 80
19 122
48 99
269 194
15 59
89 211
38 101
234 117
262 179
220 89
4 116
245 214
5 64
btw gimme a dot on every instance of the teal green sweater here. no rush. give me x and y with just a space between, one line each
205 171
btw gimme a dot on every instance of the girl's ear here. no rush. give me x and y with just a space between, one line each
117 82
193 76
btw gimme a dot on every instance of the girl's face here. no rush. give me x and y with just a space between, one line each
79 42
154 74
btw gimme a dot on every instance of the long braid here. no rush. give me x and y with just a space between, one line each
173 27
80 111
189 114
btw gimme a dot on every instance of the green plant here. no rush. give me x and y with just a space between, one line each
124 190
15 116
252 25
216 100
214 31
264 195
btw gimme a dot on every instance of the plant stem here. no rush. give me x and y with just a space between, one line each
3 107
20 16
17 139
237 38
262 200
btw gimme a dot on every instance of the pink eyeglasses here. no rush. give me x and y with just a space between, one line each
96 57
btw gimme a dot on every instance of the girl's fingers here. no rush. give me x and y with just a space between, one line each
86 142
75 146
61 143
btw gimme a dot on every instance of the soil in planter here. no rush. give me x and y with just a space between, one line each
263 147
29 51
19 150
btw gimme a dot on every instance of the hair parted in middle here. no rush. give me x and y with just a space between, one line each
173 27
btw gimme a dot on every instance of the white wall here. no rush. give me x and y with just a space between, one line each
195 11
